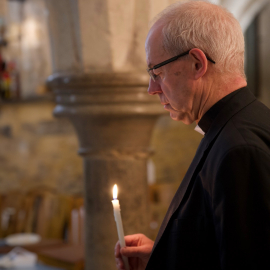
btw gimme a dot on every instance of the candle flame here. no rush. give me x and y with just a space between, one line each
115 192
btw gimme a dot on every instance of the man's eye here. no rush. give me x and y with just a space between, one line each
156 74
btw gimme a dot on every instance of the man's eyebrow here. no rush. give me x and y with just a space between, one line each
150 65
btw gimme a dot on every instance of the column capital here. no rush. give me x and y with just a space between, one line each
105 94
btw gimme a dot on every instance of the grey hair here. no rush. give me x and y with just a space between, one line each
202 25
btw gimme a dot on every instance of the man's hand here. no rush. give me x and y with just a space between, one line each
138 249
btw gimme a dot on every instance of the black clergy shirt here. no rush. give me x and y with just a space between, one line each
219 217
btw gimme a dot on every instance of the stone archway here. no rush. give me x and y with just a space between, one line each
246 11
243 10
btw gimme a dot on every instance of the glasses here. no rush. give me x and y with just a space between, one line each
153 75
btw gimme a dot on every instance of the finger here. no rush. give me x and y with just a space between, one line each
132 251
117 250
132 240
119 264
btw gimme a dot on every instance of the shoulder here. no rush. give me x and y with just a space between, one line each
248 130
239 163
242 147
244 159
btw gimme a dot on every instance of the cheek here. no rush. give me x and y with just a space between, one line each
177 74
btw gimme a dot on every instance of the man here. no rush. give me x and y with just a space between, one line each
220 215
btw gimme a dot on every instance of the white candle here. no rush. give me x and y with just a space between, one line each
119 225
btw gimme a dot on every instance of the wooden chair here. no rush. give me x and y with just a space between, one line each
50 213
71 255
40 211
10 205
76 233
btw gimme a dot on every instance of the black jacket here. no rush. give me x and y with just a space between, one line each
220 215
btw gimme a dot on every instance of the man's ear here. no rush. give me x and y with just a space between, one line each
200 63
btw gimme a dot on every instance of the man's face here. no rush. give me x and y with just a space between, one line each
173 84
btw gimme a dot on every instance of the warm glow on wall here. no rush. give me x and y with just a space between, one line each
30 38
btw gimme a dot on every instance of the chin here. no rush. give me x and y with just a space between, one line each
176 117
182 118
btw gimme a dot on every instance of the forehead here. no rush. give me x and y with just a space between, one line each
153 45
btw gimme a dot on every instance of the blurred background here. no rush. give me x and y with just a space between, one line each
45 44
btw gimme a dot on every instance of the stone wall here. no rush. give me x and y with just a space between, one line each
174 146
36 149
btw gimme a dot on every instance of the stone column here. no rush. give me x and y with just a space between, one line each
101 84
113 116
264 57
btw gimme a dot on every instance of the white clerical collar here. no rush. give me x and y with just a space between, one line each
198 129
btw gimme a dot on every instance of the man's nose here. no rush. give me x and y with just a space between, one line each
153 88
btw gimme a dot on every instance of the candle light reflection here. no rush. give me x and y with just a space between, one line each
115 192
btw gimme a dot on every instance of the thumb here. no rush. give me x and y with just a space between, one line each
131 251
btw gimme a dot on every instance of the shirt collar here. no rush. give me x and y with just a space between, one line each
198 129
208 118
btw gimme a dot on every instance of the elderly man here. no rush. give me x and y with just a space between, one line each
220 215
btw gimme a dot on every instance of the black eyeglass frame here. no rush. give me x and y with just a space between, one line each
171 60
